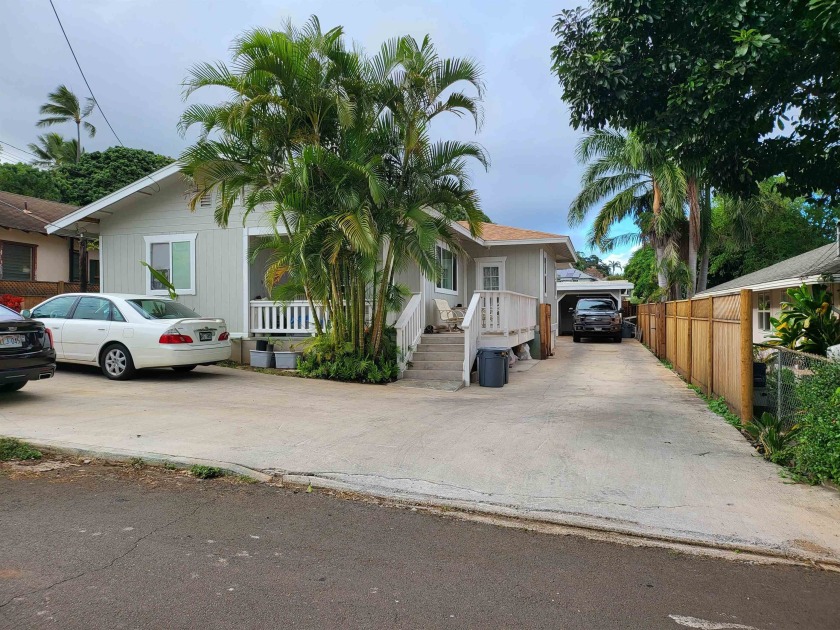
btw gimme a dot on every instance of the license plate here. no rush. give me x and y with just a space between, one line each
11 341
205 336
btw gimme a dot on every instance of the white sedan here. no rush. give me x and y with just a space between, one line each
124 333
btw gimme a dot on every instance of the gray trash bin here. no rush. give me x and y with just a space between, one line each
493 367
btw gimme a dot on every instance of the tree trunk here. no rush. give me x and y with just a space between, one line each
693 232
703 274
78 142
658 240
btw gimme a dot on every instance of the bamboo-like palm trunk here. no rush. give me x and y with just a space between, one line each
658 240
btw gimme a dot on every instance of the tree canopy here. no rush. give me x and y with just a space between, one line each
744 90
25 179
102 172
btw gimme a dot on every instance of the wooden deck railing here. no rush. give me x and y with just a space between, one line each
409 327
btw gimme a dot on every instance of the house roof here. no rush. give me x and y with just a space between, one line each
817 262
30 214
494 232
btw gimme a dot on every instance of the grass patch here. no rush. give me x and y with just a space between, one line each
137 463
10 449
719 406
169 466
206 472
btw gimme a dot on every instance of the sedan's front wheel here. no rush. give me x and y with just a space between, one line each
116 363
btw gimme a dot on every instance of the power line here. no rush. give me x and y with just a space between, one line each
9 144
79 66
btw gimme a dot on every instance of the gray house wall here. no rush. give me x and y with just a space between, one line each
218 251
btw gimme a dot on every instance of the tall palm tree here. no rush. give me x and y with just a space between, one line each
613 265
63 106
630 179
335 147
52 149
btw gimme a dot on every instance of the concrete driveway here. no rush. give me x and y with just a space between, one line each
602 435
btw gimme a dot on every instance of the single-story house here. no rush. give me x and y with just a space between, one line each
770 285
499 279
34 264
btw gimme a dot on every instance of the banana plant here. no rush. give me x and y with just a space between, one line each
807 321
157 275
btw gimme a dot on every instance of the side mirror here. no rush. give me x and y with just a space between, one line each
572 310
26 312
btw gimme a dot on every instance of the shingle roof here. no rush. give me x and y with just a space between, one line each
496 232
30 214
817 262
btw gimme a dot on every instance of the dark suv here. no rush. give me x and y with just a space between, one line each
26 351
597 317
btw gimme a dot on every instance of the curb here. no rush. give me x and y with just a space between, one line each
156 459
501 515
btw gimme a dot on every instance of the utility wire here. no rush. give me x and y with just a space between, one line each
95 100
79 66
26 212
8 144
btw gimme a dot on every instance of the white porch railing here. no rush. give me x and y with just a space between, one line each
409 328
497 318
285 318
506 313
471 328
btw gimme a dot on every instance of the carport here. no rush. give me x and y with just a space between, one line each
568 294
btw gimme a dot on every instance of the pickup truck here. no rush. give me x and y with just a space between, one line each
596 317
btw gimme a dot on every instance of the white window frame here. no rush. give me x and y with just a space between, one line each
495 260
169 238
456 280
768 311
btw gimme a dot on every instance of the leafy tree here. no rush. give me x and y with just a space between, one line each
52 149
102 172
25 179
712 80
592 261
807 322
748 235
641 270
63 106
337 145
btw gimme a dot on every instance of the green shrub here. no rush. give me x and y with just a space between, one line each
206 472
10 448
323 360
817 455
773 437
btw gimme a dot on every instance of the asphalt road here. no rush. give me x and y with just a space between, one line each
103 547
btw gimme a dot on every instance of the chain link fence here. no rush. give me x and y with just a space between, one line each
776 373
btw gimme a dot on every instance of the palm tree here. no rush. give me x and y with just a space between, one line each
613 265
63 106
52 149
634 180
336 146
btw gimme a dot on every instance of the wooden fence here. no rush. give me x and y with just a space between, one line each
708 341
36 291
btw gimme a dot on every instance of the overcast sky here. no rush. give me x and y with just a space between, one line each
136 54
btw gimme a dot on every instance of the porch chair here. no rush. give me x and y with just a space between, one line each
451 316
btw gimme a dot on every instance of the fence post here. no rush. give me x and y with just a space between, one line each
746 356
710 387
688 366
663 334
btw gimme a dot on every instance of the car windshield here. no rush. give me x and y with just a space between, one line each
595 305
152 308
8 315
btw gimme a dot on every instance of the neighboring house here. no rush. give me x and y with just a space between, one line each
511 270
33 263
770 285
575 275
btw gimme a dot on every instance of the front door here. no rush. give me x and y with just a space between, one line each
491 275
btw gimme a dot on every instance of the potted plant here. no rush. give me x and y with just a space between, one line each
263 356
287 359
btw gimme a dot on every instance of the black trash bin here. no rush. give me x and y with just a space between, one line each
492 367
